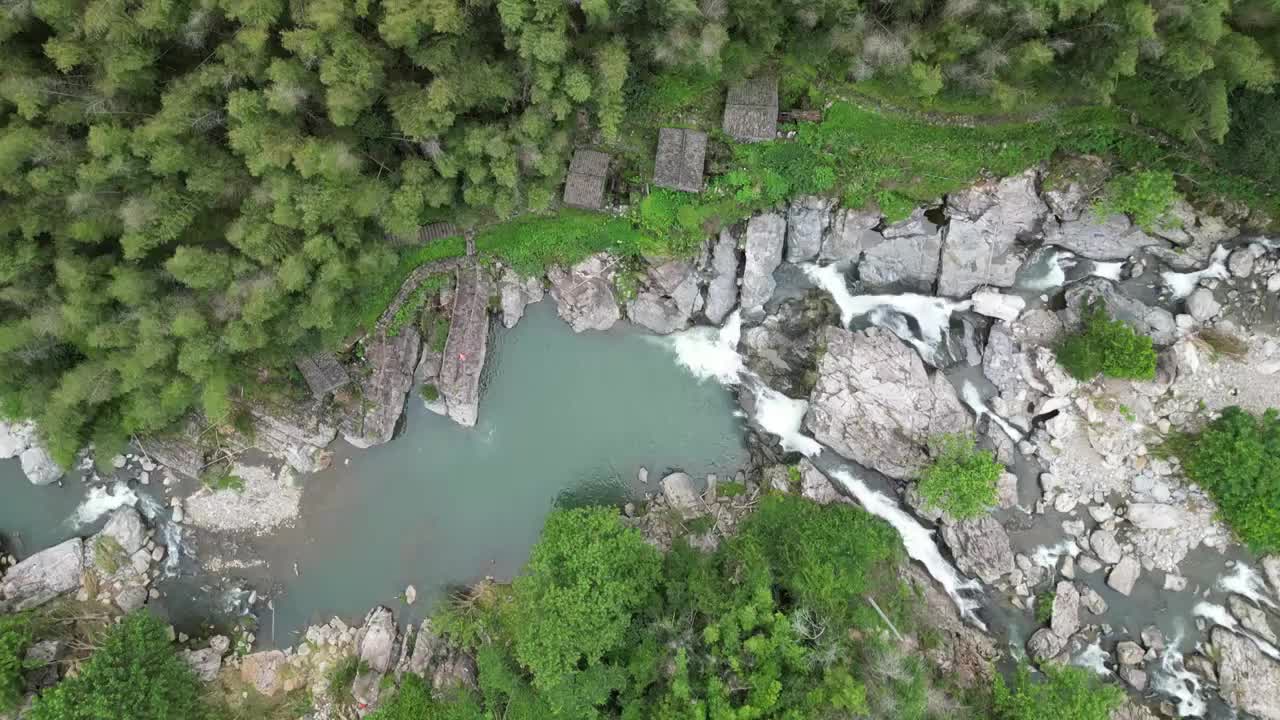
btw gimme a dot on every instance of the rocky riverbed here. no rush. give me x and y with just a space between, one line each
853 342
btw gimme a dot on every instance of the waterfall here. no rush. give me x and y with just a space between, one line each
101 500
1245 581
973 398
1182 284
1173 679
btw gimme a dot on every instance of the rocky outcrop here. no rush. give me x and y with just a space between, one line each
981 245
783 349
963 653
393 359
43 576
21 440
722 290
875 404
1065 619
850 232
807 221
906 262
1099 238
765 236
464 352
1248 680
516 293
584 293
681 496
443 665
1156 322
669 299
375 645
268 672
16 437
204 663
1045 644
981 547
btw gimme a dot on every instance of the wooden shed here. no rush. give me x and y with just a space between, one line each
588 171
323 373
751 110
679 164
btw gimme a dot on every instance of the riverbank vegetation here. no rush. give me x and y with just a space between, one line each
196 192
961 480
1106 346
1236 458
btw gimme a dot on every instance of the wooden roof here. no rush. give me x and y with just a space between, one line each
588 172
751 109
679 164
323 373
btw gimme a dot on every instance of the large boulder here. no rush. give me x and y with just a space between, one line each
43 576
681 496
722 290
204 663
125 527
981 245
39 466
807 221
443 665
268 672
584 293
850 232
875 404
375 644
1248 680
765 236
393 360
1155 322
905 262
669 299
1045 644
1100 238
981 547
515 293
1066 610
16 437
465 350
1124 575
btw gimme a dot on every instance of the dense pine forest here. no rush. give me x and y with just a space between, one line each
197 192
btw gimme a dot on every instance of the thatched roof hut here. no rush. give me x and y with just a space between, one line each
679 163
323 373
588 172
751 109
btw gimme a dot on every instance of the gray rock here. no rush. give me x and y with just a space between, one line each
266 672
1092 600
220 643
1251 617
807 221
443 665
299 433
393 360
517 293
41 666
584 294
131 597
1110 238
1248 680
467 346
125 526
1153 638
658 314
907 262
816 487
375 644
1154 321
981 547
39 467
1240 262
1124 575
1155 516
1271 567
1137 679
1105 546
204 663
875 404
1044 645
1129 652
1088 564
1131 710
1065 620
16 437
43 576
680 495
765 236
998 305
850 232
981 243
722 291
1201 305
917 224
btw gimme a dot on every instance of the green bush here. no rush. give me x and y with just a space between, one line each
1144 195
1044 607
1107 346
15 637
1236 458
413 701
134 674
1064 693
962 480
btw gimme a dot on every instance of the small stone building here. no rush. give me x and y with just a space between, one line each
588 172
751 110
323 373
679 163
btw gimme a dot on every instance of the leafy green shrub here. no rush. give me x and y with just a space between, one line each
1236 458
413 701
1107 346
430 392
962 480
15 637
1044 607
107 554
591 574
1144 195
133 675
1065 693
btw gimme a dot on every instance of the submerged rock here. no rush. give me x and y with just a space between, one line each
1248 680
722 291
875 404
43 576
765 236
584 294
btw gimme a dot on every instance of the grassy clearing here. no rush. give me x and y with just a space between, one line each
532 244
379 293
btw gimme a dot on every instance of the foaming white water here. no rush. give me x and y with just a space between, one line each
973 398
783 416
1245 581
932 313
1047 556
1055 274
1108 270
711 353
1094 658
101 500
917 539
1182 284
1219 615
1173 679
